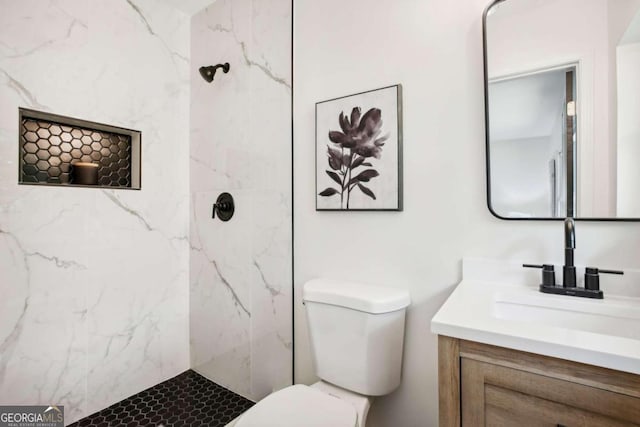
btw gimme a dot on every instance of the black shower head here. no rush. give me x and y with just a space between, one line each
209 72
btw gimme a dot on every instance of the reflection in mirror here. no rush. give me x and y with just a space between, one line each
563 108
530 141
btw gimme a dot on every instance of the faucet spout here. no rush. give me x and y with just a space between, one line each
569 269
591 288
569 233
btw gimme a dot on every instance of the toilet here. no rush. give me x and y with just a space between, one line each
356 333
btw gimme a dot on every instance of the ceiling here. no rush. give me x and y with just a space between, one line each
526 107
632 35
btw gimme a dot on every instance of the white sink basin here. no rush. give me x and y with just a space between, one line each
499 303
612 317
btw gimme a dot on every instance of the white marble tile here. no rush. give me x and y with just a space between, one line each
56 50
241 142
271 40
271 351
270 59
220 121
94 283
43 327
137 308
115 264
220 293
43 332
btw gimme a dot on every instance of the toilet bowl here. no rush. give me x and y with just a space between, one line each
357 335
318 405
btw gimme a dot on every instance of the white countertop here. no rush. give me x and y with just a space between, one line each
510 312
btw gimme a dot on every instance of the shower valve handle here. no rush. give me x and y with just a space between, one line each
224 206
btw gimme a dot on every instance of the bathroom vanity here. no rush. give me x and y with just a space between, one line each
561 117
482 384
510 355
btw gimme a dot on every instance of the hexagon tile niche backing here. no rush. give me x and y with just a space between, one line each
49 147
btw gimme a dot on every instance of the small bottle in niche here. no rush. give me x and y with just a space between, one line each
84 173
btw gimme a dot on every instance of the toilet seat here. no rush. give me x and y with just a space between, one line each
299 405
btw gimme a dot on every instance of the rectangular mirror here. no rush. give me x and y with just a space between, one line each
562 98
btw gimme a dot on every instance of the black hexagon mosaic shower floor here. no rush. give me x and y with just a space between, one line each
186 400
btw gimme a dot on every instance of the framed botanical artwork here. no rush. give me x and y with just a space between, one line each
359 151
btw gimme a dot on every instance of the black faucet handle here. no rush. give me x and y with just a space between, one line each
592 277
548 273
620 272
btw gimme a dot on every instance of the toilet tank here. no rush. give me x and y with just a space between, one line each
357 334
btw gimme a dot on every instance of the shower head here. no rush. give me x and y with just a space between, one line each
209 72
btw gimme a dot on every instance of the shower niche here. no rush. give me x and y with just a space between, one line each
59 150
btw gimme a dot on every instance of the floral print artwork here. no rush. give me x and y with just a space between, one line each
358 151
350 151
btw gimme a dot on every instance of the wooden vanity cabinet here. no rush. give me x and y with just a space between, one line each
484 385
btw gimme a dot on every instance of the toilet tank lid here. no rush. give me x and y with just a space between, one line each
356 296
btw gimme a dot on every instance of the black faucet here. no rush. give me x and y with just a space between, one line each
569 268
592 277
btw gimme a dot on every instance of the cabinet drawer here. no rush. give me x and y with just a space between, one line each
495 395
505 408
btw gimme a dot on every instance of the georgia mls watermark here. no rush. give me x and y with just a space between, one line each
31 416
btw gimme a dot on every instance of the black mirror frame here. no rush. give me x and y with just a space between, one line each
487 140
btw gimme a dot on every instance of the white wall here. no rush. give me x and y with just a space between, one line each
240 273
628 130
435 50
94 302
620 14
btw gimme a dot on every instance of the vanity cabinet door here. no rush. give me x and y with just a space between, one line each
494 395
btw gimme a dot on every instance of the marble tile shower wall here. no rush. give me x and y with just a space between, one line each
94 302
240 274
